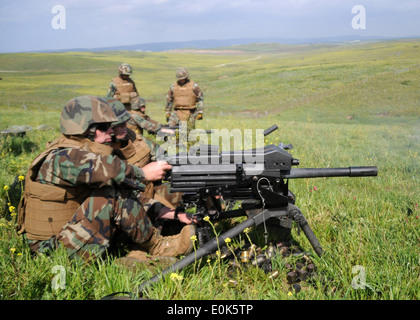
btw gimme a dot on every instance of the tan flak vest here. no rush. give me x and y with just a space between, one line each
184 96
45 209
125 90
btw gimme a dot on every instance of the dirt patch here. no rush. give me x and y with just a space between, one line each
254 113
383 114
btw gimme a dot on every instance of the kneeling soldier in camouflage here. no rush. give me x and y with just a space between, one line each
77 194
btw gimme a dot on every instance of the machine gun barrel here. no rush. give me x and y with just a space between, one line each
190 178
331 172
271 129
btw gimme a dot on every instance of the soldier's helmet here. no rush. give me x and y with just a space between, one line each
182 73
119 111
80 113
137 103
125 68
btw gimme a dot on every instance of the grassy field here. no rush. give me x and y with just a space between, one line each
339 105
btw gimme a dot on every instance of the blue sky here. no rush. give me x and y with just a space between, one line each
27 25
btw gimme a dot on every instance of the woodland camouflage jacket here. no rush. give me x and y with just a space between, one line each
69 167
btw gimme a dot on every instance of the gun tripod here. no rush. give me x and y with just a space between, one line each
290 211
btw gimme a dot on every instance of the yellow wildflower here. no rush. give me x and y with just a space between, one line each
6 188
12 249
290 293
247 230
206 218
193 238
12 208
21 178
176 277
227 240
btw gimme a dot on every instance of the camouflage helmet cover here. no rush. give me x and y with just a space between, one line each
125 68
182 73
80 113
137 102
119 110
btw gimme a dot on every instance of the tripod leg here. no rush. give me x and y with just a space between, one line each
296 215
209 247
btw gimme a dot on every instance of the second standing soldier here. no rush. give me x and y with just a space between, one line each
186 98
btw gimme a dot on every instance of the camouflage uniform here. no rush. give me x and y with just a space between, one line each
190 111
139 120
103 188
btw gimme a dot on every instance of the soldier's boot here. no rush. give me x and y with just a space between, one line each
138 258
170 246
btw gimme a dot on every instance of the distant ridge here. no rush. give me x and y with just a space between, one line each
212 43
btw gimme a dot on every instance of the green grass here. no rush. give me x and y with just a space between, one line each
339 105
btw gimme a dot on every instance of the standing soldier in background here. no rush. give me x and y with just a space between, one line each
186 98
123 87
78 195
124 90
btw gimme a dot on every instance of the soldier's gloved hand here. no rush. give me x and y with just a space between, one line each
199 116
168 115
167 213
